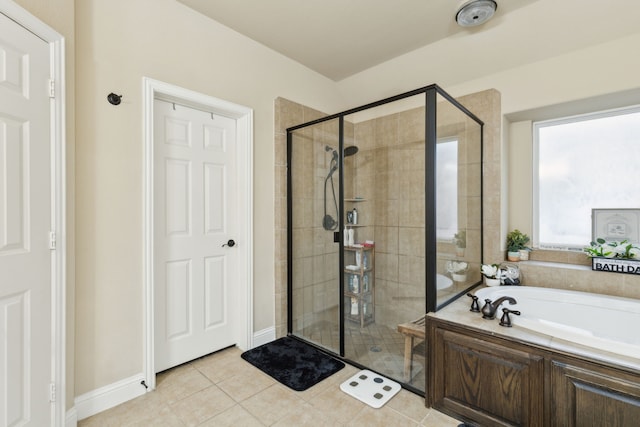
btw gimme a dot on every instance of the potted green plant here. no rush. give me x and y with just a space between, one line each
460 240
516 241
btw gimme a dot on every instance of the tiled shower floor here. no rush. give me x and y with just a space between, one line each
378 347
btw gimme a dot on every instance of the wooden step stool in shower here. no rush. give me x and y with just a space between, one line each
412 331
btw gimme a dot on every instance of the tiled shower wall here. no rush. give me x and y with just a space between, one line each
315 254
287 114
390 177
453 124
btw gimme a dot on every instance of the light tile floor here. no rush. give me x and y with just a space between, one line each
222 389
378 347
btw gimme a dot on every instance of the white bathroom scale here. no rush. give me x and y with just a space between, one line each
370 388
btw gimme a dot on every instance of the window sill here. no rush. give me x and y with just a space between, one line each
559 257
553 264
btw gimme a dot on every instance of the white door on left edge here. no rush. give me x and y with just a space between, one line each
25 222
195 256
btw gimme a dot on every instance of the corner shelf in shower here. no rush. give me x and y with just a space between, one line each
349 225
360 303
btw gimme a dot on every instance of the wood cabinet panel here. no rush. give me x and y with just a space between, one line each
584 397
486 381
493 381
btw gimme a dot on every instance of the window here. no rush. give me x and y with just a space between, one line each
447 189
582 163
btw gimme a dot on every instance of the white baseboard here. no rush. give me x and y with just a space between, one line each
122 391
71 418
264 336
108 396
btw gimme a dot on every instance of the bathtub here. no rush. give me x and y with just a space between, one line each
593 320
443 282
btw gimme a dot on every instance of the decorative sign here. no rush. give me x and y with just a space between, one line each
616 224
615 265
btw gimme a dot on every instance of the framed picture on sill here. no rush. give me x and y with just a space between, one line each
616 224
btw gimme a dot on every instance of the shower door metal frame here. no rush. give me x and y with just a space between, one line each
431 97
338 236
431 139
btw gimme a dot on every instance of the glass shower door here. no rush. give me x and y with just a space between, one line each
314 178
384 184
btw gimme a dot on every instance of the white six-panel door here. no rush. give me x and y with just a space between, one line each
195 204
25 222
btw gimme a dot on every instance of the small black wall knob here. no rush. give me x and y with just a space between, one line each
114 99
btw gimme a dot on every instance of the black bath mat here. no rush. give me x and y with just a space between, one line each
293 363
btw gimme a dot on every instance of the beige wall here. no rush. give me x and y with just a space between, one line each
119 42
596 70
521 177
463 65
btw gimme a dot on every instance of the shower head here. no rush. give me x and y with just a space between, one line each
328 223
350 151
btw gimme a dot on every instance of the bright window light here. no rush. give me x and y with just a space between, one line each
446 189
583 163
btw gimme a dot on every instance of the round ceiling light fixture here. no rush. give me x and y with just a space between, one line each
475 12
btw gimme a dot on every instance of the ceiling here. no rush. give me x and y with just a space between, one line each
339 38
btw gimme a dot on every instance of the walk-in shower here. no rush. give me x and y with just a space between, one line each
379 238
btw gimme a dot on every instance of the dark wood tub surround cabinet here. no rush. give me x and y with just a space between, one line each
589 395
491 381
485 381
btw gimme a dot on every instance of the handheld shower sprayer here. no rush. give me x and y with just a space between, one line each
328 223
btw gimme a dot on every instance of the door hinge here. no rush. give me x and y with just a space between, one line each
52 240
52 88
52 392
